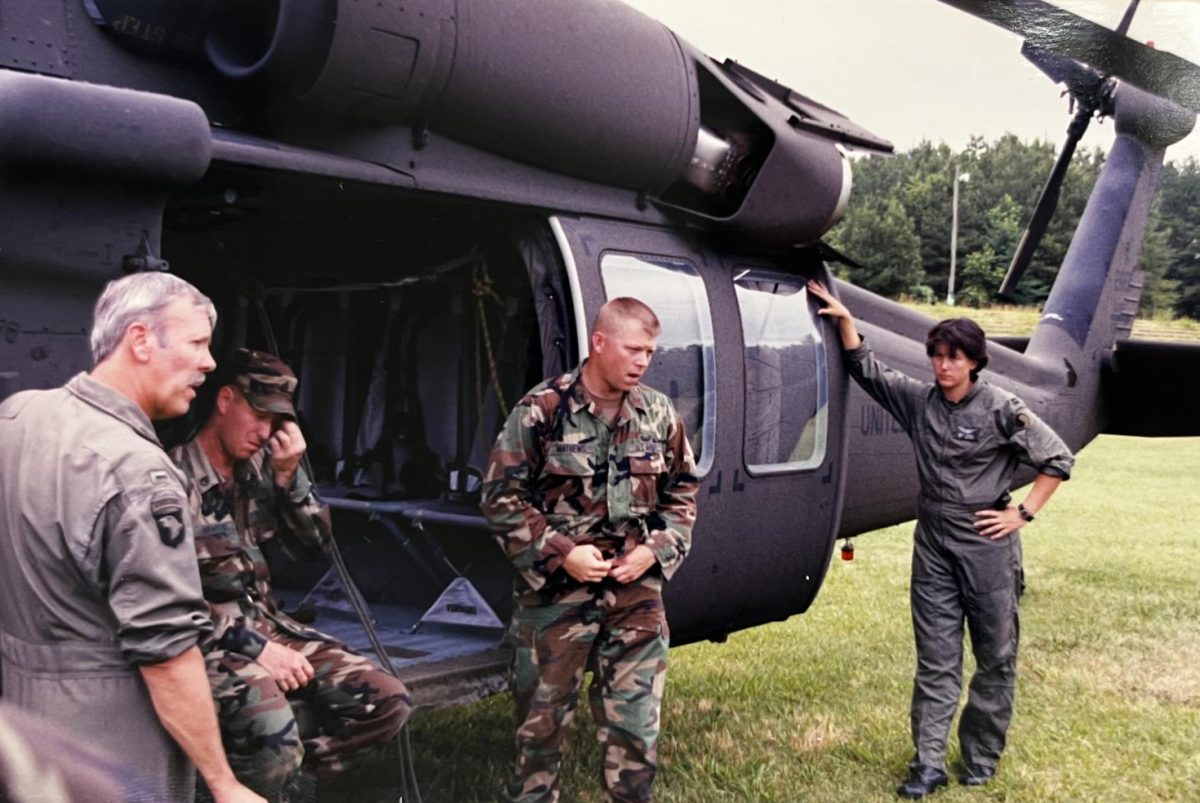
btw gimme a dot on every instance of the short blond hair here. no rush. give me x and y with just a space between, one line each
626 308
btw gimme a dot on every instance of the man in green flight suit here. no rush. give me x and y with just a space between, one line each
101 614
969 438
246 487
591 492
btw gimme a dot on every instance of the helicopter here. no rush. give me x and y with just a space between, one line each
421 205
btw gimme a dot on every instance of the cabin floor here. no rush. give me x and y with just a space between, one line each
441 664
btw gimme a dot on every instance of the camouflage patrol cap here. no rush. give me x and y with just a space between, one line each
265 381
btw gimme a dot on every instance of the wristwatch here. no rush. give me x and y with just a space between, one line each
1025 514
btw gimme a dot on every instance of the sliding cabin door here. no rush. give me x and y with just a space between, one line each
744 362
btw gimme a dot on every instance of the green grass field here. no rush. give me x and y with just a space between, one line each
1002 320
816 708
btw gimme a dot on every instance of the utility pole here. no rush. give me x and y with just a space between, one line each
954 232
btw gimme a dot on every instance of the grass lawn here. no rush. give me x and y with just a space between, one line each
1002 320
816 708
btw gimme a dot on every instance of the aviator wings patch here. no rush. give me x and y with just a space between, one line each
962 433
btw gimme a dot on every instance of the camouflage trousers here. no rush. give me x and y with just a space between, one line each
354 704
620 633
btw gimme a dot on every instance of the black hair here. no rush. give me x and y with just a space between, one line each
960 334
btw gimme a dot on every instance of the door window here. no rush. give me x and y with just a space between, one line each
787 399
684 365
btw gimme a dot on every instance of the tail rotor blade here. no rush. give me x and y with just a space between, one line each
1047 203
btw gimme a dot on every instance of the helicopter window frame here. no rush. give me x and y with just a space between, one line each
800 330
673 292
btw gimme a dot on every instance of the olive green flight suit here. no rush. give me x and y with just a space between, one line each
44 763
967 454
97 570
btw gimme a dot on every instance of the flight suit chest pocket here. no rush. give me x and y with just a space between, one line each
969 437
567 477
219 553
646 465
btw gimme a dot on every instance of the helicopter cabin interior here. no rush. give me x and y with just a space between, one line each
412 327
414 324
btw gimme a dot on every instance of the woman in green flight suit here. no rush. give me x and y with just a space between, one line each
970 438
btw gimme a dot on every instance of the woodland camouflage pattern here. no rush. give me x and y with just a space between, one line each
356 703
232 523
265 380
260 730
560 477
620 633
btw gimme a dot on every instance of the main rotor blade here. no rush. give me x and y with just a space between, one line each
1048 27
1087 86
1047 203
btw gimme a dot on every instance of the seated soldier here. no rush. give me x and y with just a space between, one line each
246 486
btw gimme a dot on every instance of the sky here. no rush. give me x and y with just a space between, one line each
913 70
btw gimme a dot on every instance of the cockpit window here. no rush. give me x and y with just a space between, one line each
684 367
787 396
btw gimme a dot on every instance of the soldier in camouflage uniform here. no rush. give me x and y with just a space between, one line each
246 486
591 492
969 438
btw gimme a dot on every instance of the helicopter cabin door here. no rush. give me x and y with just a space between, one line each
754 402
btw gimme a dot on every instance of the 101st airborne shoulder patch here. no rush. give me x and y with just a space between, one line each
167 510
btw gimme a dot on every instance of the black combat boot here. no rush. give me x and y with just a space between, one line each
975 776
922 780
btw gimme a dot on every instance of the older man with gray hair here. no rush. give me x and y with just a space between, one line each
101 611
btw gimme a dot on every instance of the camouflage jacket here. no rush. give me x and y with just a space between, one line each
559 477
232 523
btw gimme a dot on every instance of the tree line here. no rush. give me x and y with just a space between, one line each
898 224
